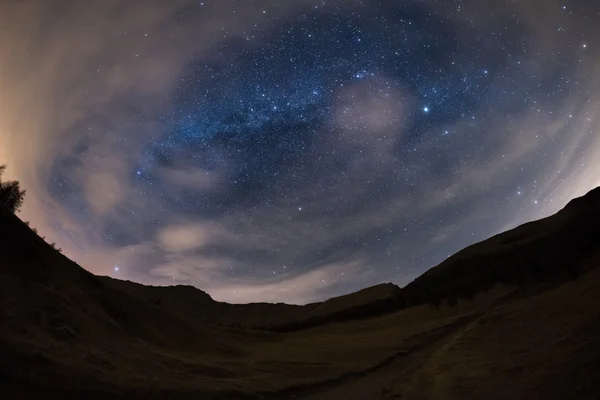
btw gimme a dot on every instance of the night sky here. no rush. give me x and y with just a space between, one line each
294 150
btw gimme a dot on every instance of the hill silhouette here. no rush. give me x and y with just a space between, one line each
521 307
195 304
553 249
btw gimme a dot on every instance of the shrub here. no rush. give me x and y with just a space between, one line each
11 195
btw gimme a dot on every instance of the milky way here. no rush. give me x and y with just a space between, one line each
293 151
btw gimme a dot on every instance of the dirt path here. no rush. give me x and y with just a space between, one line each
410 368
430 382
376 381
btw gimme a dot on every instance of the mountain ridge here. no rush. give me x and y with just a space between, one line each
374 300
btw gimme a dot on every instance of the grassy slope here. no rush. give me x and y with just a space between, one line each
541 347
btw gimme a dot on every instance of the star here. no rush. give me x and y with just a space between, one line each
331 140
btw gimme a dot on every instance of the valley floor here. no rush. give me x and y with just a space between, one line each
501 345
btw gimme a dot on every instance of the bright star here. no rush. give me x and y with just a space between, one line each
426 109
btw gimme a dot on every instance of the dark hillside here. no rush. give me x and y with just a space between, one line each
191 303
553 250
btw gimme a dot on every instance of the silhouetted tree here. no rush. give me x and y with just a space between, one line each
11 195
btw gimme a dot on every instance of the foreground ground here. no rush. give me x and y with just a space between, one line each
503 344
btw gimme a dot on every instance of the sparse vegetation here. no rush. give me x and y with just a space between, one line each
53 245
12 198
11 195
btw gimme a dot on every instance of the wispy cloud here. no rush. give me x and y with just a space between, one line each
87 90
